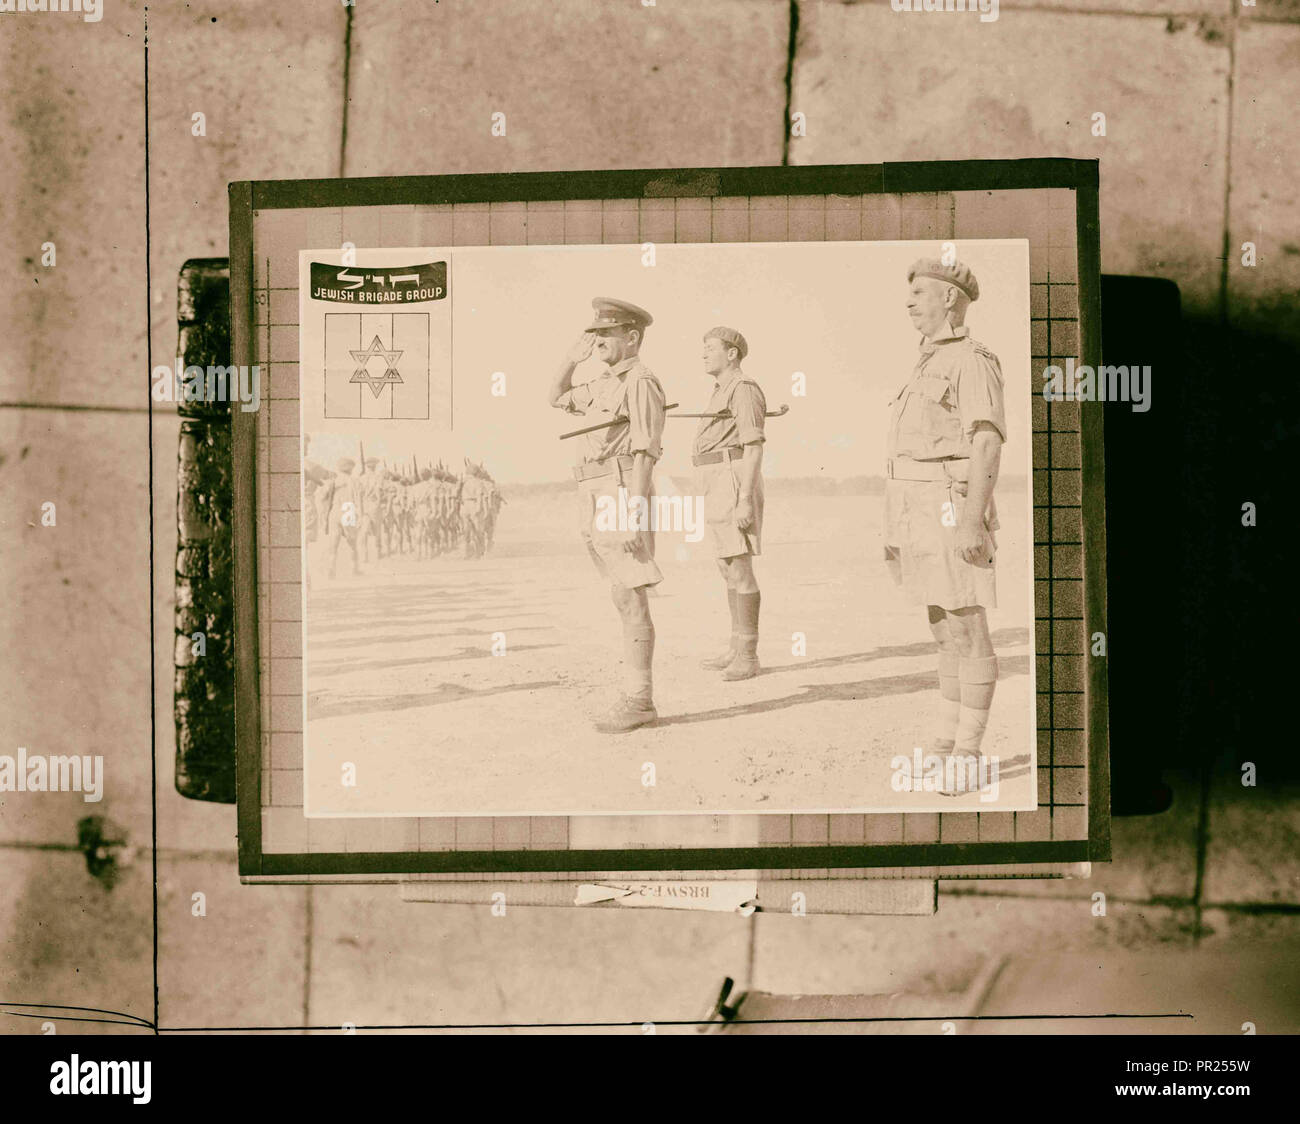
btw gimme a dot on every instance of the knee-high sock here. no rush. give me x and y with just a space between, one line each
979 677
638 658
734 607
747 618
949 700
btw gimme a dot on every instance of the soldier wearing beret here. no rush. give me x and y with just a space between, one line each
946 430
728 459
615 474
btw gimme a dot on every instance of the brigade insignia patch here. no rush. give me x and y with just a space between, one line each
365 375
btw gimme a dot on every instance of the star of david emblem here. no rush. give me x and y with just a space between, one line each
362 374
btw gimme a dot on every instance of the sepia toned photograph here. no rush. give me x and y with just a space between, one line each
647 517
754 541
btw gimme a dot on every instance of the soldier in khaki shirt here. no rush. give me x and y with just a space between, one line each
946 430
620 459
346 510
728 459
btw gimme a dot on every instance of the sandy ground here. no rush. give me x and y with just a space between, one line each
402 680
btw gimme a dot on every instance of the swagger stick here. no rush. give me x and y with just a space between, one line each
606 425
727 413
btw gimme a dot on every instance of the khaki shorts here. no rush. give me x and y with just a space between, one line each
632 569
920 546
719 484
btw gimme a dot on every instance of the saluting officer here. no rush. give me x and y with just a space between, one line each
728 459
620 459
946 431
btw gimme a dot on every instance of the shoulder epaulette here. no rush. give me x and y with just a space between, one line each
739 383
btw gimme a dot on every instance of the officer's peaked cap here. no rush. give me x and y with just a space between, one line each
611 313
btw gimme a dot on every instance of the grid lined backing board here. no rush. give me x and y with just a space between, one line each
1052 203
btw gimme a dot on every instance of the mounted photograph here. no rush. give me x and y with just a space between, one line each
666 529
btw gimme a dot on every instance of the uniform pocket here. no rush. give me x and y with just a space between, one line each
935 389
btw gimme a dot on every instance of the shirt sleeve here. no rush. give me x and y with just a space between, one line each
980 394
748 408
645 414
576 400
